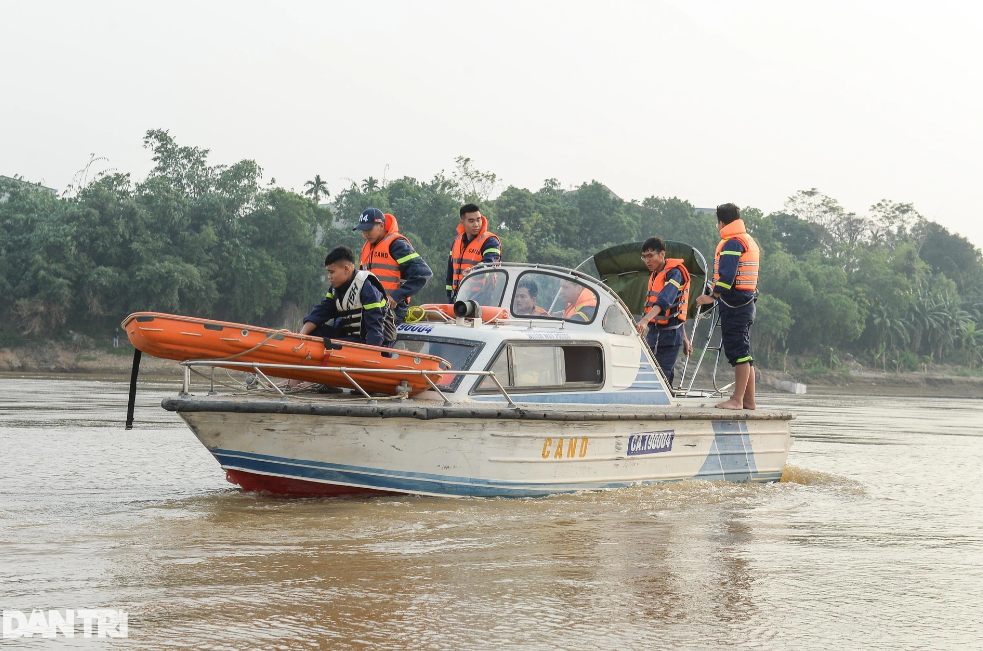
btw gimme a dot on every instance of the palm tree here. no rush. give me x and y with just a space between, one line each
316 188
370 185
971 342
891 330
924 316
953 320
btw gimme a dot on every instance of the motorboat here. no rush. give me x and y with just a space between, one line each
556 395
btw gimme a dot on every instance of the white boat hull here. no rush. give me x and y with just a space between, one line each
335 455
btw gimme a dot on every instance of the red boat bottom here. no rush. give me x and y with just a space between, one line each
289 486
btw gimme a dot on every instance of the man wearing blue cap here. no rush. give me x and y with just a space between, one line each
390 256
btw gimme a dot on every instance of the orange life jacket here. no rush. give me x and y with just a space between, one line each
377 258
464 257
747 267
586 299
657 282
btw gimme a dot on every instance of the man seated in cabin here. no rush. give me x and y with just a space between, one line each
524 302
581 302
354 307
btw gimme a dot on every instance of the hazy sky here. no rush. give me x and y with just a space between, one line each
708 101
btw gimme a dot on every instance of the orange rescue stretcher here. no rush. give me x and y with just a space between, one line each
184 338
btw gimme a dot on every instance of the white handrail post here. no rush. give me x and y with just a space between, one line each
502 389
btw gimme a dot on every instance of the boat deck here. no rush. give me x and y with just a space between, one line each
347 405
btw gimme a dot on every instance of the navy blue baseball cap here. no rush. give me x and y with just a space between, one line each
369 218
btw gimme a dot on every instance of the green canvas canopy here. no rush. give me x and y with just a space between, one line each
621 268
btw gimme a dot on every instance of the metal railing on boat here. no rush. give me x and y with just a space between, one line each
257 367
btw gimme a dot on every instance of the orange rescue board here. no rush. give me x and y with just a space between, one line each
171 336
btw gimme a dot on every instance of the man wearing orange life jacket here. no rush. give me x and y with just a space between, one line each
474 243
581 302
524 301
391 257
735 283
665 306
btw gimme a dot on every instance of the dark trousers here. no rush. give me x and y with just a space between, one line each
735 332
666 357
665 345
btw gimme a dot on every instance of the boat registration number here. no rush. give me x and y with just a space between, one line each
650 442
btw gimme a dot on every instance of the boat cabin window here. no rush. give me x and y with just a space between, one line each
459 353
537 367
541 295
616 322
485 287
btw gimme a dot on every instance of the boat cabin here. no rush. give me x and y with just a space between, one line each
550 335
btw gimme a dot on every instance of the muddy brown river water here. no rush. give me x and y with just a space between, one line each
874 539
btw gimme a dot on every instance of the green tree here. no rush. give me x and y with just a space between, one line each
774 318
472 185
952 255
316 187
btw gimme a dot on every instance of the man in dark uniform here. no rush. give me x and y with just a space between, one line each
735 282
390 256
665 307
354 307
474 243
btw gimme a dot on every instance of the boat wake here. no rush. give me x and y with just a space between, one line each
806 477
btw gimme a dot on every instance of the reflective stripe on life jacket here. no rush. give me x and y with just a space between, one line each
575 310
747 267
677 311
350 304
378 259
464 257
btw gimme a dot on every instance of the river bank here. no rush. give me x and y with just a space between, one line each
56 358
916 383
61 359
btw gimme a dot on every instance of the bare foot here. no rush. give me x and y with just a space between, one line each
749 405
729 404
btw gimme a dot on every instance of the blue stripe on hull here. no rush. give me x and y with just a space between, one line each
731 457
424 483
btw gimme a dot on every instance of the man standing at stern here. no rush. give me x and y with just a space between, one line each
391 257
665 306
735 282
474 243
354 308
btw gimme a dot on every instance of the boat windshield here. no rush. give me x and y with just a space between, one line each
548 296
460 353
485 287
